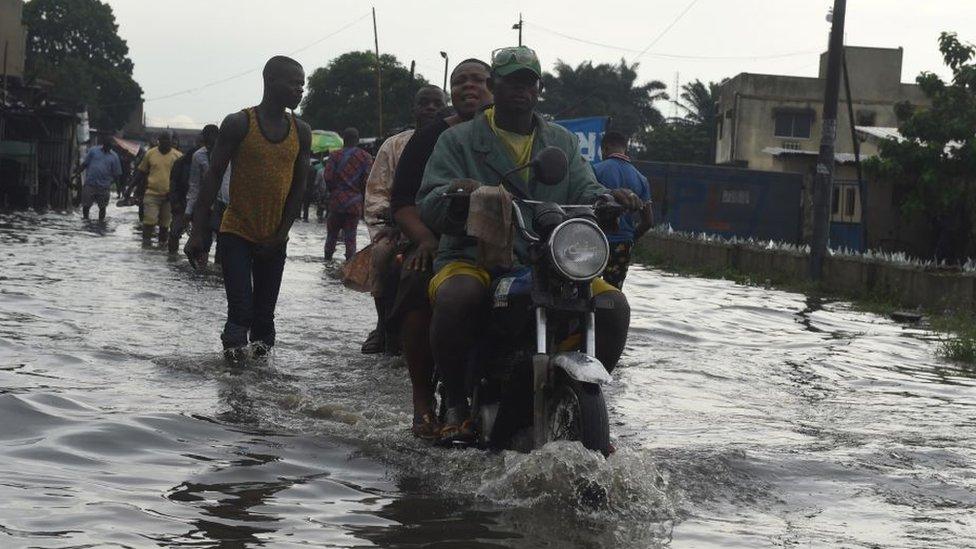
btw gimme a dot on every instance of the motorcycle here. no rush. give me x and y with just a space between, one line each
534 377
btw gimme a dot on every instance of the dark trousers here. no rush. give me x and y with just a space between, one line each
176 229
619 263
252 281
345 222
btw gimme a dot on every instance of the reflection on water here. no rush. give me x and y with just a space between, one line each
743 417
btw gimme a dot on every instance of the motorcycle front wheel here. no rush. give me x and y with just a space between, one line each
578 412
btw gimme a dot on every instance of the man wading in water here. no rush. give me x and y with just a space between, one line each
270 150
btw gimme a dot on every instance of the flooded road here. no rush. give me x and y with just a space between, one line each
744 417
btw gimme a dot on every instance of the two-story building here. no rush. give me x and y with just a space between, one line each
774 123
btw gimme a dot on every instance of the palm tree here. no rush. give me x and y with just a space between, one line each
603 90
700 101
700 104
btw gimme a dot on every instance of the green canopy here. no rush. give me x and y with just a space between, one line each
325 141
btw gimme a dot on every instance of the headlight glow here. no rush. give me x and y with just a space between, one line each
579 249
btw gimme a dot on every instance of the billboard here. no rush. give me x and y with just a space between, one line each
590 133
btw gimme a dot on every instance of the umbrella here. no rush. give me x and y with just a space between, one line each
325 141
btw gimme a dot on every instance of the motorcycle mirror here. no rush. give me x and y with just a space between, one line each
550 166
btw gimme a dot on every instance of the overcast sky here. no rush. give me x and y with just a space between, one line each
206 45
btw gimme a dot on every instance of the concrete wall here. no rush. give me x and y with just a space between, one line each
748 103
848 275
13 34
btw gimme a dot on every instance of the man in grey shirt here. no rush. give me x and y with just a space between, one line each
199 166
102 168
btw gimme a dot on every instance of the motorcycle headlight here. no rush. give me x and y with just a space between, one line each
579 249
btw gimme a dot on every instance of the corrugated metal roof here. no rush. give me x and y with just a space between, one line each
880 132
840 158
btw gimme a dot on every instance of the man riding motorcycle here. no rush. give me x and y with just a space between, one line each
481 152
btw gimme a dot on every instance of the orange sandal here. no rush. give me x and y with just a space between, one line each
458 433
425 427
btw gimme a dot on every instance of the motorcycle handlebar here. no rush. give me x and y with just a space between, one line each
606 210
460 196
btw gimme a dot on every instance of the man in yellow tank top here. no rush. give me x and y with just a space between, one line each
270 149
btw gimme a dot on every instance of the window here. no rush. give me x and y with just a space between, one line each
866 118
793 124
846 202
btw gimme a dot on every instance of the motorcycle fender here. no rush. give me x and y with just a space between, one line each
582 368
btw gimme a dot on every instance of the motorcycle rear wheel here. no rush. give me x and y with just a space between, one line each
578 412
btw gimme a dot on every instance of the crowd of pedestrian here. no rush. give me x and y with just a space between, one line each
245 183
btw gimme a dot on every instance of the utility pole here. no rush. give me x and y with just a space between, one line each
823 180
519 27
6 45
861 187
677 90
379 77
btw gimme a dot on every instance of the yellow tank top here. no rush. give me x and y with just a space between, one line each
260 180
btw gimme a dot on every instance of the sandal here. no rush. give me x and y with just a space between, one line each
425 427
458 433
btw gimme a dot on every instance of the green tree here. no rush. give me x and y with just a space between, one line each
700 102
343 94
676 141
603 90
690 139
75 45
933 169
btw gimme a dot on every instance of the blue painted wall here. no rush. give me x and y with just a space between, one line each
727 201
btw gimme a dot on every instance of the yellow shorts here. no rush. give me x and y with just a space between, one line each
156 210
466 268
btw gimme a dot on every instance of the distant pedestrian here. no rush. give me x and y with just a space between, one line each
345 179
314 168
153 175
617 172
102 167
198 167
179 186
269 148
321 192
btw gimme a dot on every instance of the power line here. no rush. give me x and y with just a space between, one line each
331 34
240 74
672 55
668 28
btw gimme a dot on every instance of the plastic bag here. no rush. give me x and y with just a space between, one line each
357 272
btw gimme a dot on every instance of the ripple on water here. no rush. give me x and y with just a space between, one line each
744 417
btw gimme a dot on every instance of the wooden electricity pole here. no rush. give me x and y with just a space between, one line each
379 77
823 180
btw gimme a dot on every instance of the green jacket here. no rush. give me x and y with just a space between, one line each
471 150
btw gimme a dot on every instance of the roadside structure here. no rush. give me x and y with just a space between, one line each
39 136
774 123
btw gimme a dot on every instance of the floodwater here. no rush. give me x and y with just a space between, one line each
744 417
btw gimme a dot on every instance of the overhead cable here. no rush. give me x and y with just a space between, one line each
671 55
244 73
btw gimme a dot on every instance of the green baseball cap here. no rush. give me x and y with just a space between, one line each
505 61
